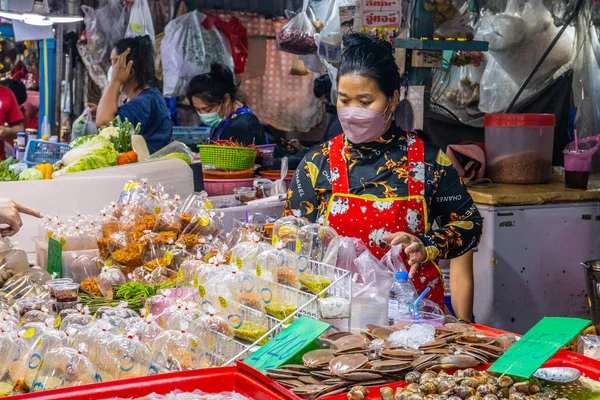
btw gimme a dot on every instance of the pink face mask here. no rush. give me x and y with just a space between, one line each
362 125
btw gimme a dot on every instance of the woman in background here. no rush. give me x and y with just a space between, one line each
221 106
132 72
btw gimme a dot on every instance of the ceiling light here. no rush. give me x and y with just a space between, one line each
37 21
40 19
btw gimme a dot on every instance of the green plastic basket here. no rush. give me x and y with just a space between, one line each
229 158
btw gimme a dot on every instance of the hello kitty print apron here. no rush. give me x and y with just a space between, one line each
370 219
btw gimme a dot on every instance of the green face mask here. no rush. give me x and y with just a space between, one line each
211 119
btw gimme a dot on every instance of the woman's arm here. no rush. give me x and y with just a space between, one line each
301 198
108 105
461 286
455 213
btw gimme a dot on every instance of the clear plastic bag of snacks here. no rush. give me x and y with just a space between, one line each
176 351
146 330
181 316
155 252
211 322
278 301
188 272
36 316
108 277
75 237
249 292
85 266
278 265
123 357
298 35
126 251
24 305
319 243
76 320
244 254
64 367
285 230
17 355
180 254
120 317
90 339
162 276
208 278
168 224
9 350
157 304
48 340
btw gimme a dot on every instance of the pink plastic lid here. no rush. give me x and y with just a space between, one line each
519 120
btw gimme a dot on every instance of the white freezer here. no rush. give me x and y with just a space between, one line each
528 263
89 191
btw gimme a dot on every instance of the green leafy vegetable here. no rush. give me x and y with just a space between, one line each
6 175
85 163
97 146
181 156
31 174
81 140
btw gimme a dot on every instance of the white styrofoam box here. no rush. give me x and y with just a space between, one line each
230 215
89 191
41 250
528 263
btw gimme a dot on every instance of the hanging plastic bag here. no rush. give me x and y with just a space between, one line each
84 125
105 26
140 21
298 35
237 34
329 40
188 49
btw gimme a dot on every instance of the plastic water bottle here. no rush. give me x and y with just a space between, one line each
401 298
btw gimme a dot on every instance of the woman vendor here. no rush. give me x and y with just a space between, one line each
220 105
132 72
380 184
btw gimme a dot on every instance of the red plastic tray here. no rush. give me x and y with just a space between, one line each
211 380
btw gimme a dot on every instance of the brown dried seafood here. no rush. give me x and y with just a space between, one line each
370 359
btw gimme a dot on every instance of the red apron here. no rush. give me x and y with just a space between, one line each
370 219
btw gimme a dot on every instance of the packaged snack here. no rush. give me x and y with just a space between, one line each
155 251
244 254
85 266
48 340
124 357
145 330
176 351
279 302
68 292
285 230
125 250
298 35
108 277
211 322
90 339
181 316
9 348
189 270
278 265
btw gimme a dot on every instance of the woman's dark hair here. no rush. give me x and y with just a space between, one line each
367 56
322 87
18 88
141 52
212 87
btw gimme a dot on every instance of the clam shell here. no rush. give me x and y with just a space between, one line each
347 363
319 357
349 343
474 339
390 365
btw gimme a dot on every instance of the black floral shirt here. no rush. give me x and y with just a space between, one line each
380 169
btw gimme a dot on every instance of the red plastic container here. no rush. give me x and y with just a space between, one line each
211 380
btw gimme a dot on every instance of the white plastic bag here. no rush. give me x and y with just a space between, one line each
188 49
84 125
105 26
329 40
140 21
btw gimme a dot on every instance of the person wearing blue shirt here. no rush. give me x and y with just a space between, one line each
132 72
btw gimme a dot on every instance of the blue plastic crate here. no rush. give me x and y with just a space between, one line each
42 151
191 135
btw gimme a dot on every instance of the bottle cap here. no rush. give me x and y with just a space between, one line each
401 276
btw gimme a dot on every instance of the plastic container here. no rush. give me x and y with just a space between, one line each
67 292
578 161
42 151
221 187
57 282
244 194
268 154
518 147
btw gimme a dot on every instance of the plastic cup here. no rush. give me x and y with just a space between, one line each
57 282
578 162
29 304
68 292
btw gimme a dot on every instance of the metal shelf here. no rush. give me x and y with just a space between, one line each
441 44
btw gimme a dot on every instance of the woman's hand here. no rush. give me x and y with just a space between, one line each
121 69
413 248
10 214
93 108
